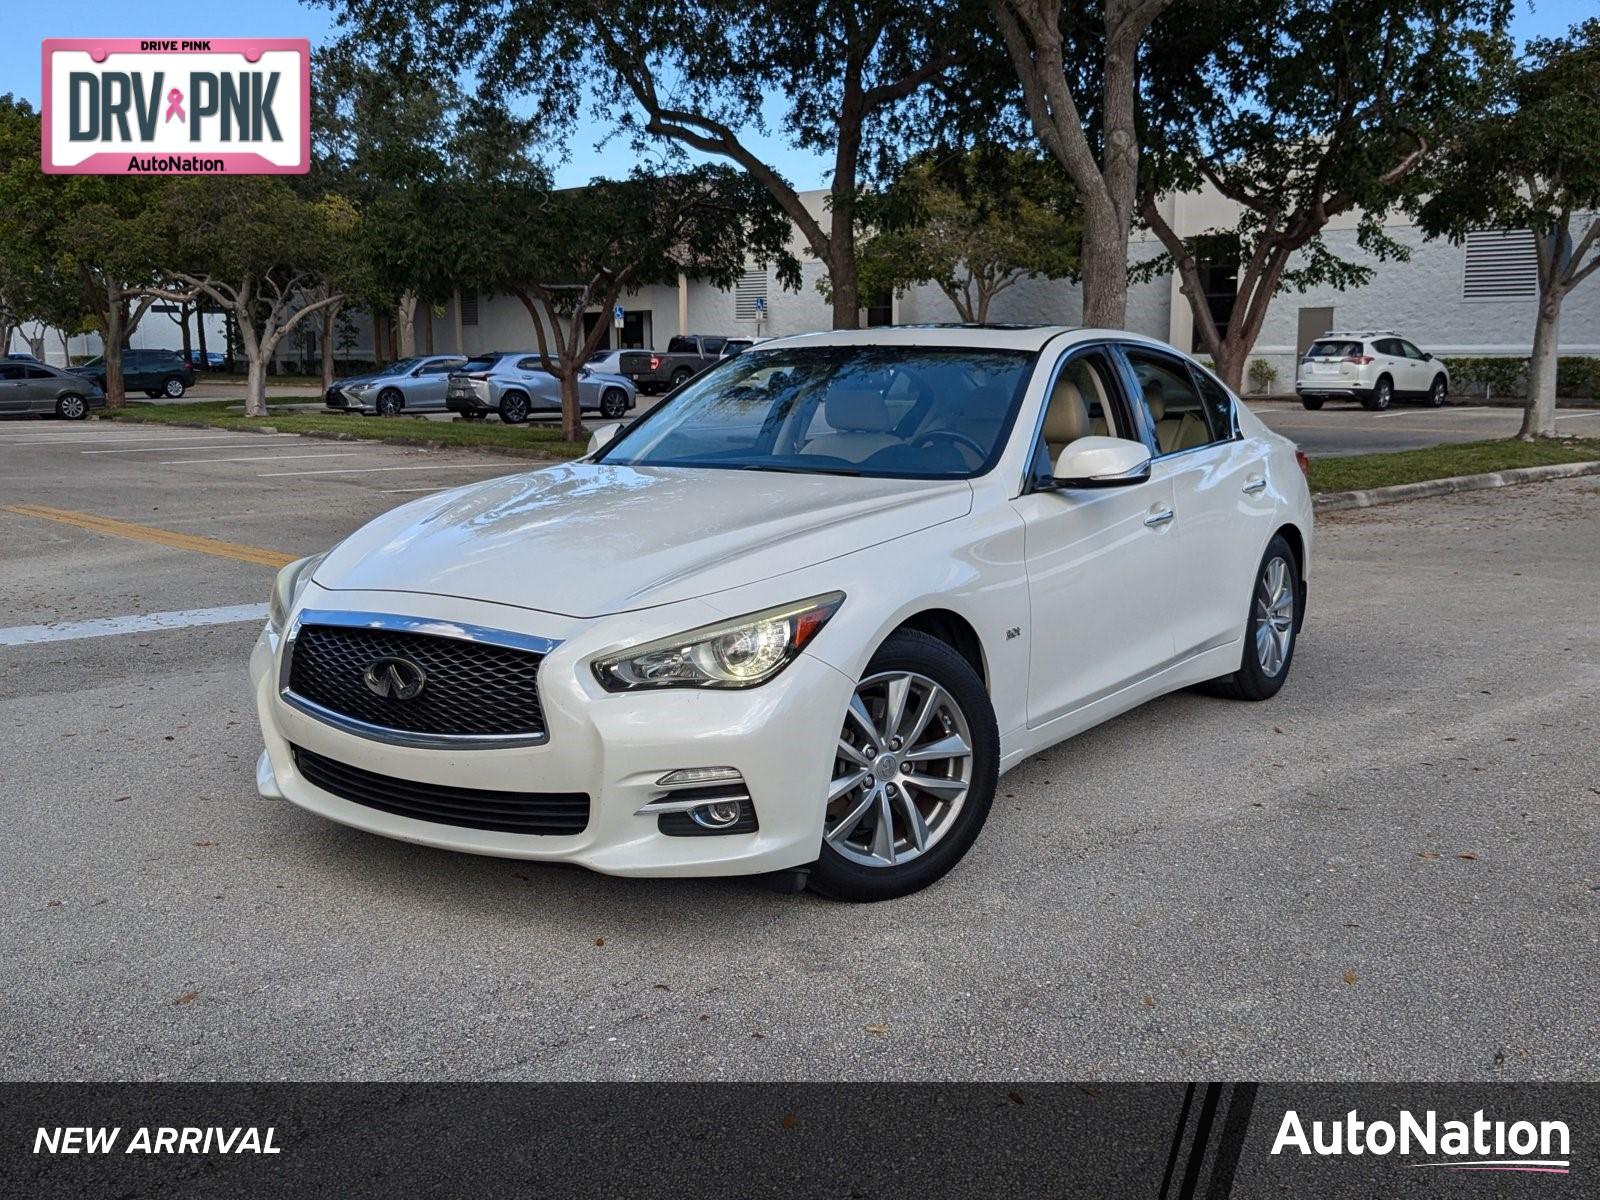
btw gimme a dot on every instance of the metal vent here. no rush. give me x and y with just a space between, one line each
752 286
1501 264
469 308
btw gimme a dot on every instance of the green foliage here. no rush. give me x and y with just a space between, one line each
1262 375
1357 472
1576 376
973 225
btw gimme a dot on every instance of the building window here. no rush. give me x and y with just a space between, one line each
469 308
880 309
752 286
1501 264
1217 259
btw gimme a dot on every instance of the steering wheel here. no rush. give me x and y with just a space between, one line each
960 439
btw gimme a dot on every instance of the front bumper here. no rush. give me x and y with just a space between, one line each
614 747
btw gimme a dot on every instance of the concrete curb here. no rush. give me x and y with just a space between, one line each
1336 501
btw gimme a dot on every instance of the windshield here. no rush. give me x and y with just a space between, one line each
400 366
884 411
1334 350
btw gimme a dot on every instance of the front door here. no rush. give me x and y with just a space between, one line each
1099 576
12 389
426 391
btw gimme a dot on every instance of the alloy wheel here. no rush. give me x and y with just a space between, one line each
71 407
902 770
1274 616
1385 394
174 388
1436 393
613 403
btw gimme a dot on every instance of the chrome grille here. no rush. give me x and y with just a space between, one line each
473 689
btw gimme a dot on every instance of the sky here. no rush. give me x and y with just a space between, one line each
27 23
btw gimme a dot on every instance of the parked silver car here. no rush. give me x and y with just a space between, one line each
409 385
32 387
516 385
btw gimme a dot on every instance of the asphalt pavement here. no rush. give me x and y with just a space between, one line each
1387 872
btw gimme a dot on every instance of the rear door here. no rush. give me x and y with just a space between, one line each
1391 361
543 388
37 389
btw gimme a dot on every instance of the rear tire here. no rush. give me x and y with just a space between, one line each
680 377
72 407
174 388
871 848
1271 630
613 403
1311 402
514 408
1382 395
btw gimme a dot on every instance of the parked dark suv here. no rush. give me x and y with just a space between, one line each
153 372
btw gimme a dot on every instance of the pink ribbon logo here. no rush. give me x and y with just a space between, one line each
175 105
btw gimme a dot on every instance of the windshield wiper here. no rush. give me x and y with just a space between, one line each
782 470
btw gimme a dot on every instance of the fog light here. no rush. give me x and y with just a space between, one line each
719 815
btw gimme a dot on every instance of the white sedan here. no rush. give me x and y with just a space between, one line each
799 619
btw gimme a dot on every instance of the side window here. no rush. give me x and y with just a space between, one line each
1083 402
442 367
1219 407
1410 350
1180 420
9 372
713 345
1390 346
37 373
531 363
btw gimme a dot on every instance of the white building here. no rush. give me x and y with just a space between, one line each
1476 299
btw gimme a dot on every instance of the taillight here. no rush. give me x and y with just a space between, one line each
655 362
1359 360
1305 463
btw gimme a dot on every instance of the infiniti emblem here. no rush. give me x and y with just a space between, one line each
394 678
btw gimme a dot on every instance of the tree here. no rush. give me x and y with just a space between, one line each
1080 84
1533 162
570 255
264 254
854 78
973 226
92 235
1306 112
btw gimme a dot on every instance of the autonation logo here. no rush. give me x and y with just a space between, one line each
1475 1145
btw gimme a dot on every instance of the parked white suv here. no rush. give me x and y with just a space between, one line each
1373 366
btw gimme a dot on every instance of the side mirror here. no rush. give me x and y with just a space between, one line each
585 372
1426 357
603 437
1098 462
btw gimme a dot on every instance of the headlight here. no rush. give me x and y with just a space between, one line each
740 653
286 589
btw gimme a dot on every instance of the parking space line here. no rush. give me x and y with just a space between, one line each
368 470
149 533
129 440
443 487
1579 416
28 635
257 458
175 447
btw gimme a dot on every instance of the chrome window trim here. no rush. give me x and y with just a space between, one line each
1181 364
400 623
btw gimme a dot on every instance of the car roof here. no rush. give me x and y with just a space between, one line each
973 336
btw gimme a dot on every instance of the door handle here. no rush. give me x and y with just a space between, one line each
1254 486
1157 519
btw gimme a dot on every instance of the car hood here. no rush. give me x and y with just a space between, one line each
585 540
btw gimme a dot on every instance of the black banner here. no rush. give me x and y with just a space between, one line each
1162 1141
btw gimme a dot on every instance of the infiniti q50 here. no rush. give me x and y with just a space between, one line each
797 620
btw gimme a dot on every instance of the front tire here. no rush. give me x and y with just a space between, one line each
914 773
1438 392
390 402
1271 630
72 407
613 403
513 408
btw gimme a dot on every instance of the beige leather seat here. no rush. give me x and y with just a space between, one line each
1067 418
860 425
1180 433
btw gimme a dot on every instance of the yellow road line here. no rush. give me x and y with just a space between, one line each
161 537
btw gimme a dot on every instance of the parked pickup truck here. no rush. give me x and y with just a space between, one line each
655 371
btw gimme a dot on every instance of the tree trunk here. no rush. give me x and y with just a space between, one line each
183 324
256 354
1539 410
111 336
1105 267
406 323
66 348
1229 364
200 334
846 296
571 412
329 316
380 338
